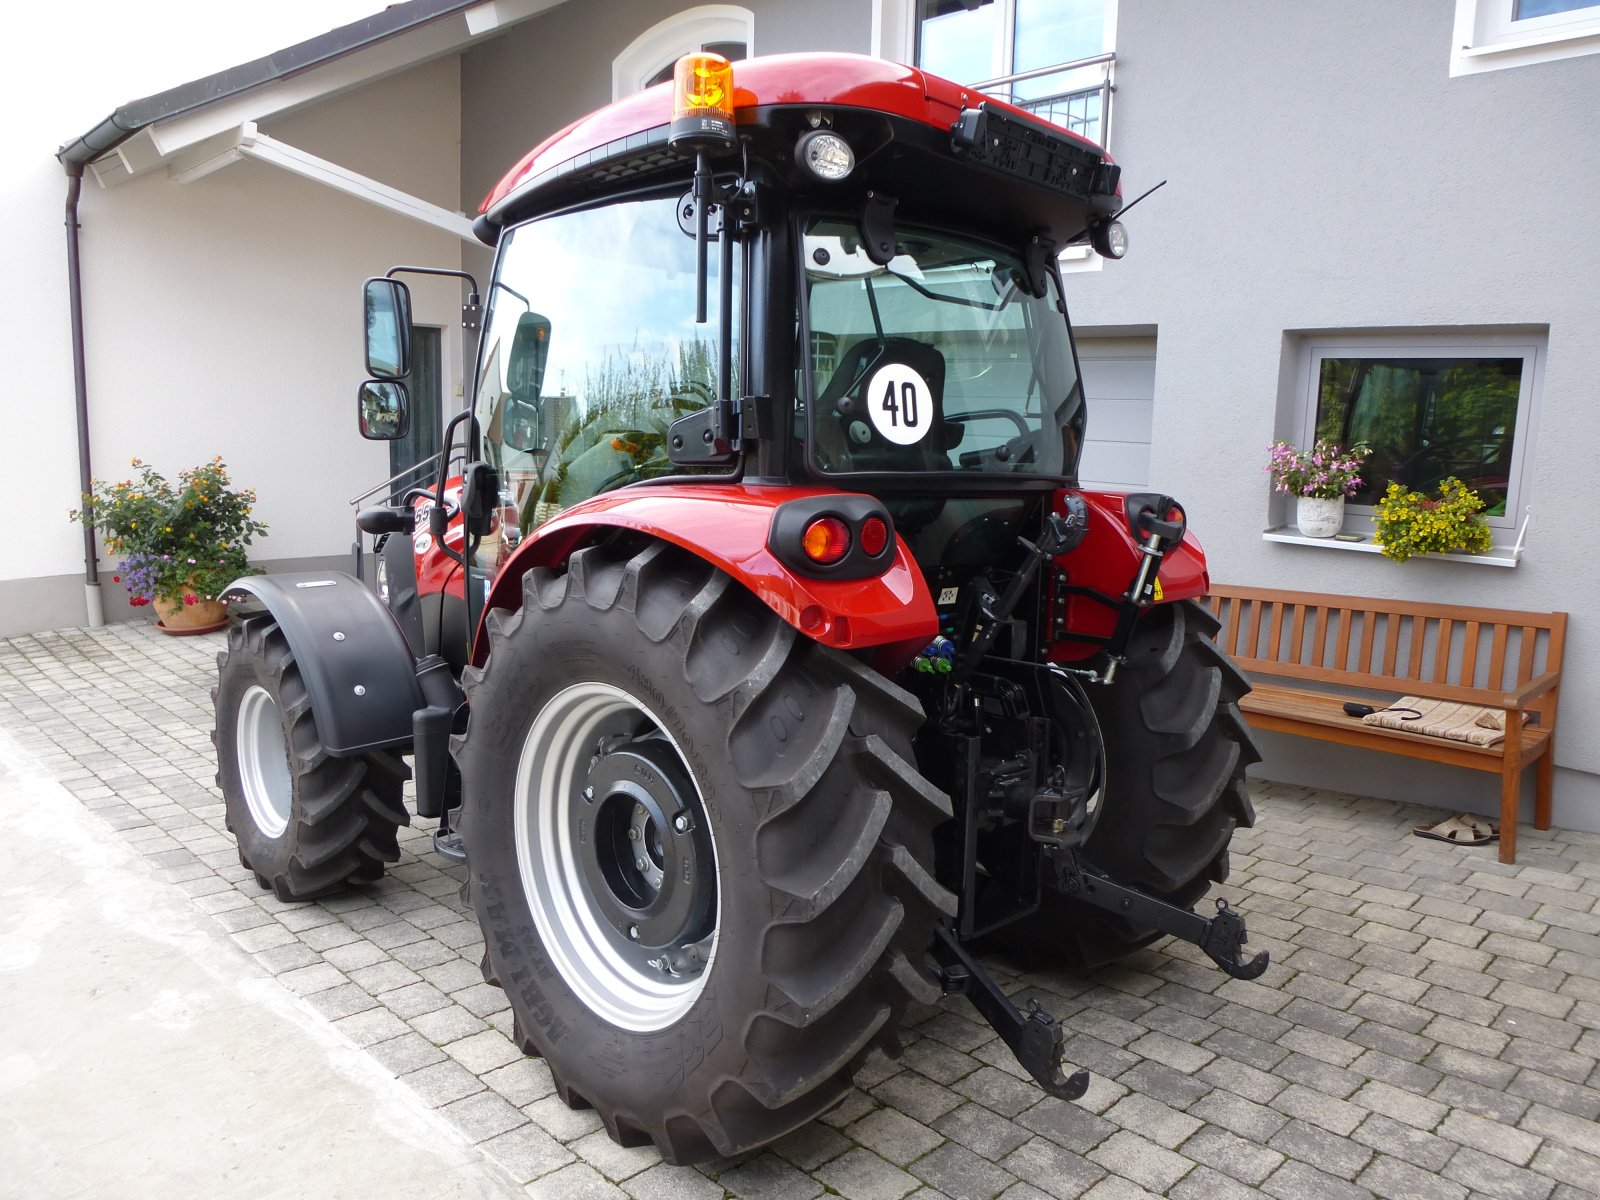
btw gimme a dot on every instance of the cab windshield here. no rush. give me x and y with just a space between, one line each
939 361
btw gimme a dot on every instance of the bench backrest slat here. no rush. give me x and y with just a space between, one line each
1399 642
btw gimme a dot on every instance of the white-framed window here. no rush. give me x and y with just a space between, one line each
1430 406
725 29
1052 57
1492 34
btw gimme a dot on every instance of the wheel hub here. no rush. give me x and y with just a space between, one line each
647 876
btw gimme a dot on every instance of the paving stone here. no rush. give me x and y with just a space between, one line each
443 1083
960 1174
562 1123
768 1177
521 1082
893 1135
1153 1120
1563 1128
1387 1176
1137 1158
811 1145
614 1161
1327 1112
917 1096
1496 1177
1296 1180
981 1131
1544 1089
1163 1083
1232 1155
1476 1099
1572 1167
1203 1183
1321 1149
1492 1137
999 1092
1067 1125
576 1181
1052 1170
667 1182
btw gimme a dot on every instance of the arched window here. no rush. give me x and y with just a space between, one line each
725 29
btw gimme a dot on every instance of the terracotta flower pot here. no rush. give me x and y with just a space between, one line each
179 618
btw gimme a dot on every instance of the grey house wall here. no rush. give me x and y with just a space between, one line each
1327 174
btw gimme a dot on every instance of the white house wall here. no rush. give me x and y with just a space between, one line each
1326 173
222 316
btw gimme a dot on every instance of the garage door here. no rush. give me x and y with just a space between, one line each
1119 381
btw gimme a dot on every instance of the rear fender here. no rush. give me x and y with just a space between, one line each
350 652
727 525
1106 561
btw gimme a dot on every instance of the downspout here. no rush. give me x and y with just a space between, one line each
93 602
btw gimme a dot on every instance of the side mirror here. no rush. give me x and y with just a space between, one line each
383 410
530 350
387 308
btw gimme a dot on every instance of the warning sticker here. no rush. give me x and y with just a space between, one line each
899 404
1158 596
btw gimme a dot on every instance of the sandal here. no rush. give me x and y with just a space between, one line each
1461 831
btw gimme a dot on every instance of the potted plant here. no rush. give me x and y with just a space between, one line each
179 545
1319 479
1411 523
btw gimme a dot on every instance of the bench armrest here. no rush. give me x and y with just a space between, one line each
1534 688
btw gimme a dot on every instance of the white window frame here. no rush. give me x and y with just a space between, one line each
1487 39
682 33
1526 344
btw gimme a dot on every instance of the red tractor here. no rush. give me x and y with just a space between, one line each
762 665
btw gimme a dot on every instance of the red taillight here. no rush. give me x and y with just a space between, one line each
874 536
826 541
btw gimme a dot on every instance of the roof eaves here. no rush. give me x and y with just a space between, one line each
302 56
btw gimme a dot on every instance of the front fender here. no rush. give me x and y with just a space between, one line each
727 524
350 652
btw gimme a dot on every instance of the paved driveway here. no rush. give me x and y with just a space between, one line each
1430 1025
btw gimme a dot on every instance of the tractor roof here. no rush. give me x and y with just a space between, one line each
629 138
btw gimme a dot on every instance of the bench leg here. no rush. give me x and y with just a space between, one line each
1544 775
1510 803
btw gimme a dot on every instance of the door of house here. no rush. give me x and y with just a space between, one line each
426 388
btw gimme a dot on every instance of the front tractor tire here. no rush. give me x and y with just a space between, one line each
699 851
1176 750
307 824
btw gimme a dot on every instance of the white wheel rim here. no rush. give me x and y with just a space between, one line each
594 958
263 762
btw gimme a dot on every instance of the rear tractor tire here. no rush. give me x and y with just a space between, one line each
699 851
306 823
1176 750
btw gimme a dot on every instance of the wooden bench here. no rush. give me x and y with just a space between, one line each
1308 654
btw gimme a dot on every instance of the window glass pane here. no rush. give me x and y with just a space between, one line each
591 351
956 41
1523 10
1426 419
939 361
1057 31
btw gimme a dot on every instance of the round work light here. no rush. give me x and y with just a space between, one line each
825 154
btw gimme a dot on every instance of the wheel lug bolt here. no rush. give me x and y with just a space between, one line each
681 823
633 835
639 862
588 794
633 932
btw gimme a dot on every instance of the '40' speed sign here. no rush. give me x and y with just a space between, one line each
899 404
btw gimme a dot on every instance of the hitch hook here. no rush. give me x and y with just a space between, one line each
1223 943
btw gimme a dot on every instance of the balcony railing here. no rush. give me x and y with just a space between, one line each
1086 111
